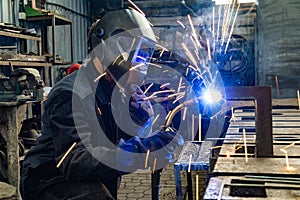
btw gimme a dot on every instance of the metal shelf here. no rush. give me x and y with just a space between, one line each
25 64
53 20
20 35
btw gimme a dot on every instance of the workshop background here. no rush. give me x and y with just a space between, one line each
41 39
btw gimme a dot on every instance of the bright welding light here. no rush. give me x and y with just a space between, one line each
212 96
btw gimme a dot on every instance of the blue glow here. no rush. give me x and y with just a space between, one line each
212 96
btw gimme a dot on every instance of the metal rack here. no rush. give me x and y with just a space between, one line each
53 20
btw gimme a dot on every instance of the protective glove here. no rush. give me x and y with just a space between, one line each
129 155
140 110
162 145
162 138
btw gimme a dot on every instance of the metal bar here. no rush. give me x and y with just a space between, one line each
273 178
177 182
189 185
263 114
71 38
18 35
53 38
270 186
25 64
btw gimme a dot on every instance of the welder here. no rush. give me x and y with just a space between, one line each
96 121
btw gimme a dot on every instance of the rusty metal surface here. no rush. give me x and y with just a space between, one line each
263 115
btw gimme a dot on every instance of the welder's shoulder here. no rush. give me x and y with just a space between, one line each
62 90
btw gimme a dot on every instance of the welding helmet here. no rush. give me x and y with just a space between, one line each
124 41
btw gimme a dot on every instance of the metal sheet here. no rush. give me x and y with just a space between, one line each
6 12
78 12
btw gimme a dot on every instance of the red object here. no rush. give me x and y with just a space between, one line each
73 68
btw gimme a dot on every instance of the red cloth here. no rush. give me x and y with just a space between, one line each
73 68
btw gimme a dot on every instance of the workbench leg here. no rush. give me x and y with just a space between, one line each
13 171
178 183
189 185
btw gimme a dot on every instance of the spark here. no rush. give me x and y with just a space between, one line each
154 166
121 61
114 62
189 54
277 85
217 147
193 68
187 71
213 28
194 43
193 31
190 162
213 22
208 49
164 85
245 145
155 119
136 7
197 187
150 97
228 20
219 20
154 65
199 129
65 155
233 118
175 94
99 111
224 21
161 52
180 81
193 124
181 24
227 154
147 157
232 27
184 113
165 71
178 98
148 88
288 167
168 115
137 66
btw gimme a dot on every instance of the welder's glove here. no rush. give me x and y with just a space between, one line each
128 156
163 143
140 110
131 154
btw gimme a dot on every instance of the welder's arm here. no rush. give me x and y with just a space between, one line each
161 145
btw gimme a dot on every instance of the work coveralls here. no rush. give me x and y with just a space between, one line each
80 174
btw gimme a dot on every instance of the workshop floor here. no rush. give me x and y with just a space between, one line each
137 186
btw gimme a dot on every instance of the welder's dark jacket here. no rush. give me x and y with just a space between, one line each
59 133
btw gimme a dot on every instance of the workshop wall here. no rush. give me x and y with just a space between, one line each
279 47
77 11
6 11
